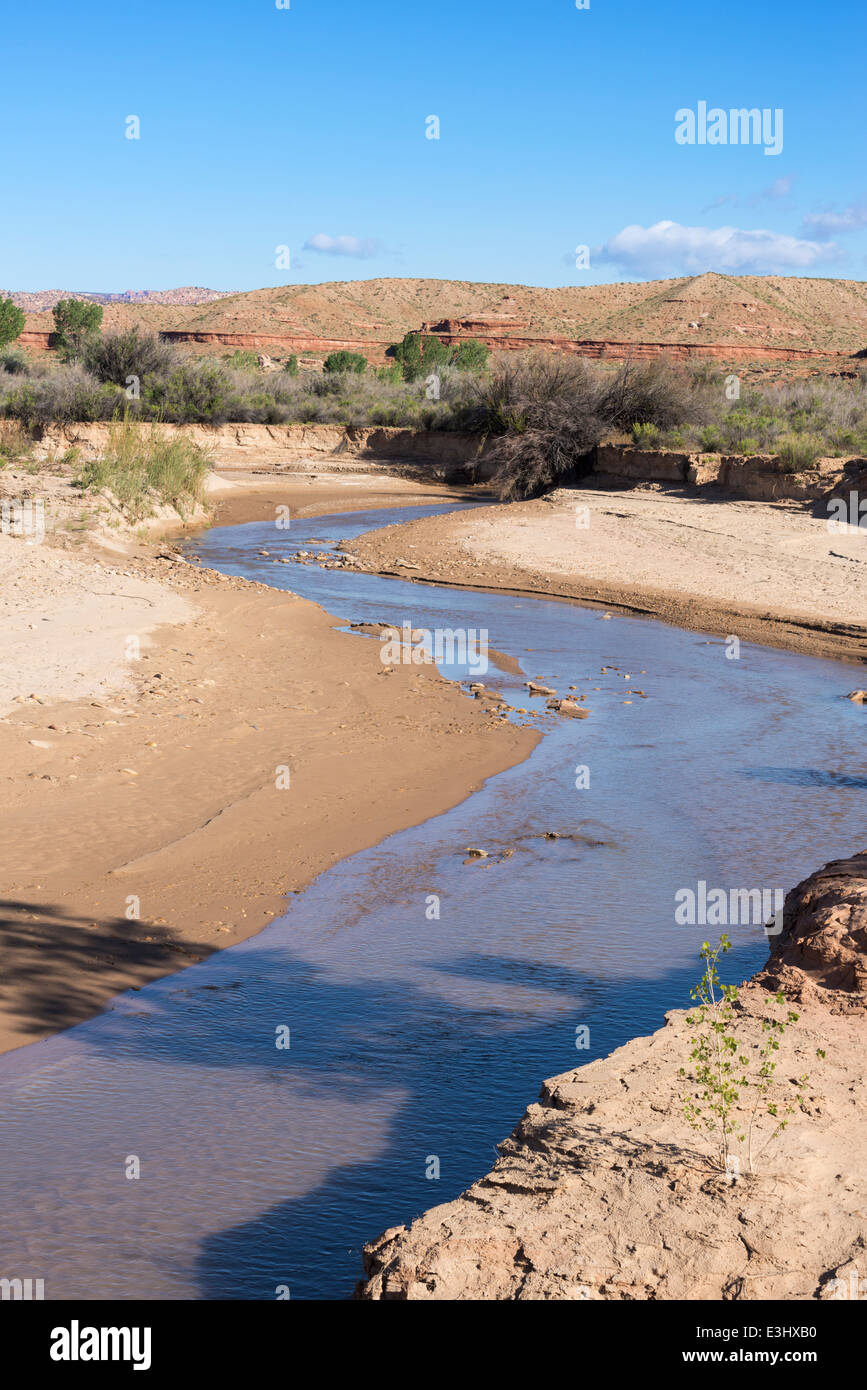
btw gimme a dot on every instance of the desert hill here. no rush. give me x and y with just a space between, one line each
763 313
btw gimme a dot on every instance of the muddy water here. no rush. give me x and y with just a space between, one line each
425 994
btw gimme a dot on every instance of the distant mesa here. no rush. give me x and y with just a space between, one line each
42 301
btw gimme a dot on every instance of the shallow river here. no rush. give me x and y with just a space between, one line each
426 995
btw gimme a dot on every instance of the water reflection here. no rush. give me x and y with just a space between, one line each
425 995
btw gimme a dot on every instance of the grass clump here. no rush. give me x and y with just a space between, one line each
144 466
799 451
15 443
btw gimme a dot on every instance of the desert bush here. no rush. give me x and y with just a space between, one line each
291 367
117 357
195 392
59 397
657 393
544 413
13 361
144 465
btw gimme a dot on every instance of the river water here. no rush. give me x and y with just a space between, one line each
425 993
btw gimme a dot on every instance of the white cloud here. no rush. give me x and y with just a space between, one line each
669 248
360 247
780 188
827 224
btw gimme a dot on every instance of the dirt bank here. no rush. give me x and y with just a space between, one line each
299 448
604 1192
764 572
152 711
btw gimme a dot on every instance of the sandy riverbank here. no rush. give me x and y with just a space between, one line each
147 708
764 572
604 1191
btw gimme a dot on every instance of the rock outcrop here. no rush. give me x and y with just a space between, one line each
498 338
603 1191
822 951
754 477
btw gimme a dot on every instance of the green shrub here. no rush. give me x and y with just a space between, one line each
471 356
76 321
242 359
732 1093
12 320
710 439
645 436
291 366
337 362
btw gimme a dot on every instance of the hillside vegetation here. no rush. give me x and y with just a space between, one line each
544 412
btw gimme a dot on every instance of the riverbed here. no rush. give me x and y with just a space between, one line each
358 1060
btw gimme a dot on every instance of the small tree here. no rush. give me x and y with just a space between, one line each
12 321
291 367
345 362
723 1073
471 356
418 355
76 321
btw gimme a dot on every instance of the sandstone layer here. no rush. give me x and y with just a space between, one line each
605 1192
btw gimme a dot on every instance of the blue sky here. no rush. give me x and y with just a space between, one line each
306 127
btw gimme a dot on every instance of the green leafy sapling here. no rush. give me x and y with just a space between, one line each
731 1094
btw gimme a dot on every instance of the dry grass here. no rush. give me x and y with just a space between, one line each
144 467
